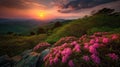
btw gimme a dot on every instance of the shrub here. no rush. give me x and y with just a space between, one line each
41 46
65 40
99 49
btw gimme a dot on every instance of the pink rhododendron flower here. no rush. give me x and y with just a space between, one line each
40 45
74 43
58 54
95 58
51 62
114 37
55 52
55 60
86 58
92 41
70 63
93 50
86 45
96 45
64 45
46 57
105 40
67 51
50 58
65 58
97 33
77 48
96 40
113 56
92 36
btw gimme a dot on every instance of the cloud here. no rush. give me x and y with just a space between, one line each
82 4
20 4
13 4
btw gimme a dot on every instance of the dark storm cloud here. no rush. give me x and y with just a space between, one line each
80 4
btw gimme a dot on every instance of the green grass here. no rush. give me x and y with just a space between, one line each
13 45
81 26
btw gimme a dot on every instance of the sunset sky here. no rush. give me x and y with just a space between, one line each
53 9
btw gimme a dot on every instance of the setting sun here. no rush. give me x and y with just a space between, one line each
41 15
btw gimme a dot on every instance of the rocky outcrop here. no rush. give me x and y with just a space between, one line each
26 59
31 59
6 61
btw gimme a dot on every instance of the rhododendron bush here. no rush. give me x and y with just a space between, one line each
100 49
41 46
65 40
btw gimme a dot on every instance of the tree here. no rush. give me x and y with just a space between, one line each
32 33
107 11
41 30
10 33
57 24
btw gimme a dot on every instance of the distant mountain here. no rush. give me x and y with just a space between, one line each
25 26
58 20
21 26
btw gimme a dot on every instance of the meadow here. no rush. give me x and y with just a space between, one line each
14 45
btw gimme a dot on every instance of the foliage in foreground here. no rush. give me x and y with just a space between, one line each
100 49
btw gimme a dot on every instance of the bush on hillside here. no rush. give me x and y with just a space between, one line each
100 49
41 46
65 40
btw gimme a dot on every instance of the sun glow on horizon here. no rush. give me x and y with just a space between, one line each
41 15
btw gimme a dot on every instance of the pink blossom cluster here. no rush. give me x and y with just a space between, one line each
113 56
66 53
86 58
63 53
41 45
94 42
65 40
95 58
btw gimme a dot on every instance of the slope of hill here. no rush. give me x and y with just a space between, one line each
103 21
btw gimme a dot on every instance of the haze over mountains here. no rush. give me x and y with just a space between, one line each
18 26
21 26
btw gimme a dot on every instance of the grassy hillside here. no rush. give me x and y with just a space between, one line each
99 22
13 45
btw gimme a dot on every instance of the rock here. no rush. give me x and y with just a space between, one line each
26 53
28 61
6 61
42 55
17 58
32 59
